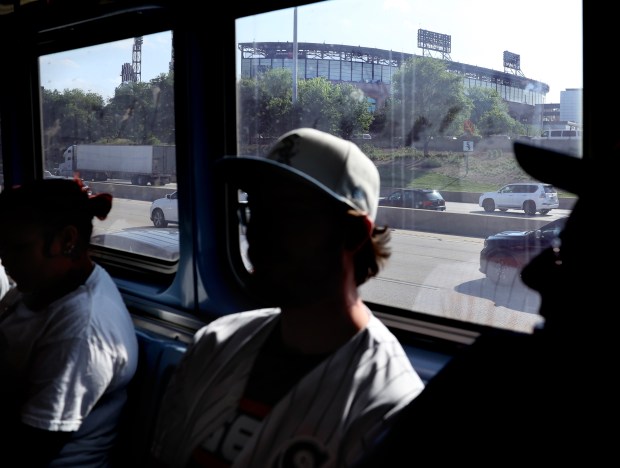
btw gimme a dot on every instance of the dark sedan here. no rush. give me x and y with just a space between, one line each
424 199
504 254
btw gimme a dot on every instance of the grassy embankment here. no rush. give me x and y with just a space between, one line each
448 171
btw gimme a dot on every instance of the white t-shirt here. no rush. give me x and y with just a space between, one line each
334 411
5 283
69 365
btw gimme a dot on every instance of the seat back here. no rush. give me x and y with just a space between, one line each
158 357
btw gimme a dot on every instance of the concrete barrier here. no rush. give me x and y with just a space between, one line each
132 192
457 224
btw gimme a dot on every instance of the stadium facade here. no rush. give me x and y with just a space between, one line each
372 71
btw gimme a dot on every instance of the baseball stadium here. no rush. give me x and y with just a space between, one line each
372 70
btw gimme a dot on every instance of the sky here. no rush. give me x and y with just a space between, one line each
98 69
547 34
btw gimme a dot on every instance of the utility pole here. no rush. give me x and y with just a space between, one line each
295 56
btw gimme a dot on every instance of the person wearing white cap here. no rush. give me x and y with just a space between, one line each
312 377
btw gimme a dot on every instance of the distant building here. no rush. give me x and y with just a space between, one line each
570 105
565 115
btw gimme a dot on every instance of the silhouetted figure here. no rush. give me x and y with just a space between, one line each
540 398
310 381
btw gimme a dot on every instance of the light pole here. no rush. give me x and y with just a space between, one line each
295 55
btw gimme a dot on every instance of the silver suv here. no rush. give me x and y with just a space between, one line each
527 196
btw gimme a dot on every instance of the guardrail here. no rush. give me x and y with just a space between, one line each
457 224
132 192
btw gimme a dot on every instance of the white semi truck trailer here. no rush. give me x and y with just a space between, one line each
141 164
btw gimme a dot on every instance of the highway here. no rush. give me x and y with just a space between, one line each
438 274
427 272
150 193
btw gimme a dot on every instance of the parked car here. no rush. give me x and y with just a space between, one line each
530 197
49 175
425 199
504 254
165 210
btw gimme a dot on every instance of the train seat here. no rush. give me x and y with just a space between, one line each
158 357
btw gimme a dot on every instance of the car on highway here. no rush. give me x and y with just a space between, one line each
504 254
530 197
165 210
160 243
49 175
424 199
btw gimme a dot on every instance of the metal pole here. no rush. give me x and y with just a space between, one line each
295 56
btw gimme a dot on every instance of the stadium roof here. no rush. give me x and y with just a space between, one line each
313 50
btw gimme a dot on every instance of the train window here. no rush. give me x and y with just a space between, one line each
436 94
432 91
108 119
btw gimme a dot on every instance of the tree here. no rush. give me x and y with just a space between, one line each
429 101
269 111
267 105
354 115
498 122
72 116
162 124
129 113
490 113
341 109
317 105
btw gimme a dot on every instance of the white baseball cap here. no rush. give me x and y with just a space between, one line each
331 164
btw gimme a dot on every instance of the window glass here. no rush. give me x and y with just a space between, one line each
444 89
108 119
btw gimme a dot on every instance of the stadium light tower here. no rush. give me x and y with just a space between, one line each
295 54
136 59
132 73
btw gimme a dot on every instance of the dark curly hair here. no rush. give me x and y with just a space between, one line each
53 204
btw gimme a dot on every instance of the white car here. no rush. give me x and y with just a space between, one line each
527 196
49 175
165 210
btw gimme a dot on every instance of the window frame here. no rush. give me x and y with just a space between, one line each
216 289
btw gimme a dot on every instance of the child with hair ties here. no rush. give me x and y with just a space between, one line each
68 347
